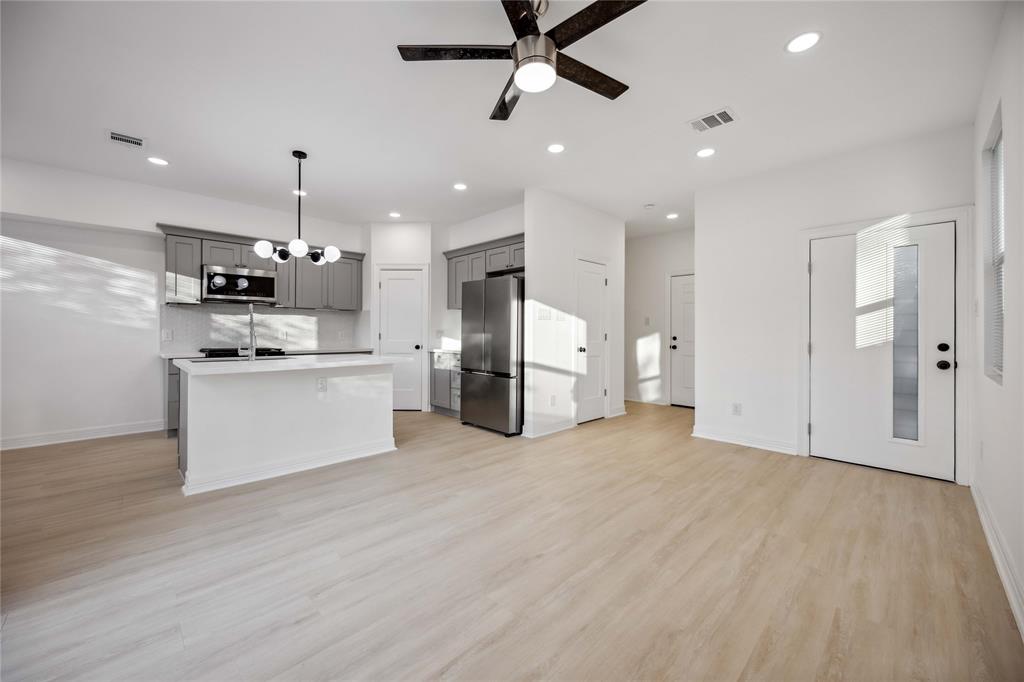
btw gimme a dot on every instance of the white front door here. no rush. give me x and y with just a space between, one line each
590 337
681 341
402 301
882 348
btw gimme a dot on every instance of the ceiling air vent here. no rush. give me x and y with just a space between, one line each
128 140
713 120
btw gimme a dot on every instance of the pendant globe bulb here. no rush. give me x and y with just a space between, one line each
332 254
298 248
281 255
263 248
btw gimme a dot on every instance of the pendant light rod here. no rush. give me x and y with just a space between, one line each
299 156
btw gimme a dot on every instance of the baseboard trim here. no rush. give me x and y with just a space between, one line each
621 412
541 434
747 441
88 433
193 487
1000 554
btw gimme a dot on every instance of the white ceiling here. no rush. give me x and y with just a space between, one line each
225 91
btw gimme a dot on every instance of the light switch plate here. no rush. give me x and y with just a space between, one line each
167 335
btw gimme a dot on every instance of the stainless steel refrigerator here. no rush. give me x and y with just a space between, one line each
492 355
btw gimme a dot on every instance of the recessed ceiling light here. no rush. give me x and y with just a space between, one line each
648 206
156 161
706 152
395 214
556 148
299 192
803 42
460 186
672 216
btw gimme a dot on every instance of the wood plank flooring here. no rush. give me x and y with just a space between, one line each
624 549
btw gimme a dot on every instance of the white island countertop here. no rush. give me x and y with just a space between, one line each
279 363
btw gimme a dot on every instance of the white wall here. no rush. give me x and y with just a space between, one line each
650 261
748 303
558 231
997 426
447 324
61 195
81 333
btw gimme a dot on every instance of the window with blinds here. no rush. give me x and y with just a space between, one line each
995 280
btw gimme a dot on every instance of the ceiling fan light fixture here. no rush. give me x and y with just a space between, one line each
535 57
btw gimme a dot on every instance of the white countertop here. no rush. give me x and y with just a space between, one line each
446 350
287 351
206 367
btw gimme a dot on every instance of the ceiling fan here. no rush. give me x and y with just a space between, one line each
537 56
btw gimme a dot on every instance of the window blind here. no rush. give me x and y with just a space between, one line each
996 280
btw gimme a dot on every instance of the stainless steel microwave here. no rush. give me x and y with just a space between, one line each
239 284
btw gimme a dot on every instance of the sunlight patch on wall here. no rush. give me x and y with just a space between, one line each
874 285
648 366
78 284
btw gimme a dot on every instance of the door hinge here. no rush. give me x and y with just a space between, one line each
379 337
380 285
808 267
605 337
606 281
808 428
606 391
808 347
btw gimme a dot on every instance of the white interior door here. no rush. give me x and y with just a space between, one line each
681 341
882 348
590 336
402 301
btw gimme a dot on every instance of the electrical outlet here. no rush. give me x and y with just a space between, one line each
737 409
321 385
552 400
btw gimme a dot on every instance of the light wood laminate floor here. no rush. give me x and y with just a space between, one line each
623 549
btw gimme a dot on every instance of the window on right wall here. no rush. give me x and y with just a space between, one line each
995 277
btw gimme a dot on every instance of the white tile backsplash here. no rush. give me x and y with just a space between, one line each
227 324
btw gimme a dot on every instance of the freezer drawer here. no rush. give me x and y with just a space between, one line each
492 402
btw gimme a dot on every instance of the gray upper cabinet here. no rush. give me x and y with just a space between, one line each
311 282
498 259
458 272
345 284
477 266
519 255
285 285
184 265
249 259
224 254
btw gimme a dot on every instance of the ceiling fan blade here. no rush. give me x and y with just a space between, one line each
588 20
507 101
590 78
423 53
520 15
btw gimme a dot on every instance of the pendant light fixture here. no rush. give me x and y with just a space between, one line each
297 247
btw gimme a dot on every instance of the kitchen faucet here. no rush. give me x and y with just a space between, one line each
252 336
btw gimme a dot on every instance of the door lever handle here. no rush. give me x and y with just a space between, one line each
673 346
943 364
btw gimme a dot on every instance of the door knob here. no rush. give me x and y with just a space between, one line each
943 347
673 346
582 349
942 364
417 346
675 338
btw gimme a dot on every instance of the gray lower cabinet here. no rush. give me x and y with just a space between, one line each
224 254
441 388
184 269
173 398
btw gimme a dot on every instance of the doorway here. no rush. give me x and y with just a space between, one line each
681 341
882 353
401 332
591 339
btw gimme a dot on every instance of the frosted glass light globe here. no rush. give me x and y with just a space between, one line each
281 255
263 248
332 254
298 248
535 76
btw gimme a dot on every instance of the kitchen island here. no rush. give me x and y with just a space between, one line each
243 421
